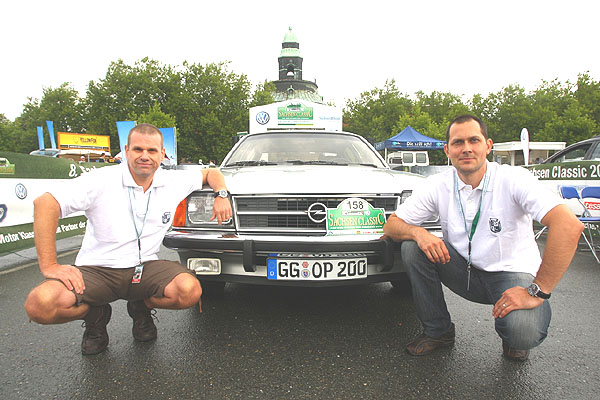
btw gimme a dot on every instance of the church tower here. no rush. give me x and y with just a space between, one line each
290 84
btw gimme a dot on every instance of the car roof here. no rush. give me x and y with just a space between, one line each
570 147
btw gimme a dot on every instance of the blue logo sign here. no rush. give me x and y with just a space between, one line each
263 118
3 210
271 268
21 191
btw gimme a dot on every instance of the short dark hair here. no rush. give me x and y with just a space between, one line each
145 129
466 118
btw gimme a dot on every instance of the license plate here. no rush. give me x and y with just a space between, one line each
316 269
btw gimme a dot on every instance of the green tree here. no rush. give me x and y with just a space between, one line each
127 90
154 116
61 105
375 113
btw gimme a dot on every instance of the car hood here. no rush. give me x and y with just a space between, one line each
317 179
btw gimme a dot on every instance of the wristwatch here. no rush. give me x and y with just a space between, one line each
535 291
222 193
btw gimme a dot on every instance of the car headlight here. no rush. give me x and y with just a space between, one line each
199 210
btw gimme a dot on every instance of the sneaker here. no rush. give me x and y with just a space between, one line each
143 329
425 344
95 336
514 354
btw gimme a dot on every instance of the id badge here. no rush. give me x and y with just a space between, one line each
137 274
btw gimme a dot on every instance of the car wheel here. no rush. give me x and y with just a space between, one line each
211 288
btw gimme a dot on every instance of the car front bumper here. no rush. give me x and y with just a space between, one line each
243 258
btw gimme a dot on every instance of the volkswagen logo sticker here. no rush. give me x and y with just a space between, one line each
21 191
263 118
317 212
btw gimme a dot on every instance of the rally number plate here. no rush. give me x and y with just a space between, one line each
316 269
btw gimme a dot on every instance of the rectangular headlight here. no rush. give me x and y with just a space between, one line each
200 209
204 266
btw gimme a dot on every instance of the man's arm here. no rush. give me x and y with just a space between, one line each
432 246
222 207
46 213
564 230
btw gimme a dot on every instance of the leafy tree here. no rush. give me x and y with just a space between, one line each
154 116
8 140
375 113
61 105
127 90
588 96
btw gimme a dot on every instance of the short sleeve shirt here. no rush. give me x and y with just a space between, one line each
109 197
503 239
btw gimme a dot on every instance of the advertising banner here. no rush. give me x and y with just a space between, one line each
170 144
295 113
50 125
40 133
123 128
83 141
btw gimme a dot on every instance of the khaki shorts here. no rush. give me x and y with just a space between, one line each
104 285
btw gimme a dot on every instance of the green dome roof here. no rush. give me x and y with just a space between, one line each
290 50
290 37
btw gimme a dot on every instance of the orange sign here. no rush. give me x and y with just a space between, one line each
83 141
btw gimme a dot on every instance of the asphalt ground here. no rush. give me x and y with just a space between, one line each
295 343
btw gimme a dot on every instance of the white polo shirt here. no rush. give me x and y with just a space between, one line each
504 239
107 195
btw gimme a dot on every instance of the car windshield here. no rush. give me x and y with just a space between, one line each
303 149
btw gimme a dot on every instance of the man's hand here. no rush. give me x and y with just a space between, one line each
433 247
516 298
221 210
69 275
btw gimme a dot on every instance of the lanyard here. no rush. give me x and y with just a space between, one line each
133 214
470 234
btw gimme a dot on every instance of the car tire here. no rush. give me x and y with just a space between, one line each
212 288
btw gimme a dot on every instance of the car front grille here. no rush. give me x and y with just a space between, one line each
290 213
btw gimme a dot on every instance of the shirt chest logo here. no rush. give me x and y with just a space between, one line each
495 225
166 217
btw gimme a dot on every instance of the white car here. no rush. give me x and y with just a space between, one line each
308 211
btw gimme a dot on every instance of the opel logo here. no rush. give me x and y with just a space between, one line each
263 117
317 212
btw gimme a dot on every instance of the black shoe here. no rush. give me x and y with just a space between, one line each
143 329
425 344
514 354
95 336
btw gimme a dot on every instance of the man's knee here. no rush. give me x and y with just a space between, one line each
42 303
186 288
410 251
524 329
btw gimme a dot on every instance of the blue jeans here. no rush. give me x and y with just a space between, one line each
520 329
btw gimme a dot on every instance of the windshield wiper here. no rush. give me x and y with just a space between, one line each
301 162
250 163
366 165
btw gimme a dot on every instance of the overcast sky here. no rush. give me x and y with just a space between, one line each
458 46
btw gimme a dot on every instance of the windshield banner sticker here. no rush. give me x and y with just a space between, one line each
355 216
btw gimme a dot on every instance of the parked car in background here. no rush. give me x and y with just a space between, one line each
577 165
308 210
45 152
588 149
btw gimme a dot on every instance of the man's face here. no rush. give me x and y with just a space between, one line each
144 154
467 148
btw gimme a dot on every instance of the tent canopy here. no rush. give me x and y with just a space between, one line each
410 139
